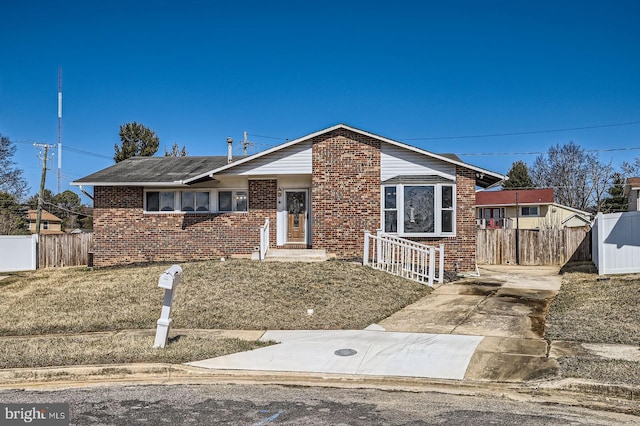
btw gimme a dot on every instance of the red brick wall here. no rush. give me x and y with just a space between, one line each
124 234
461 249
345 191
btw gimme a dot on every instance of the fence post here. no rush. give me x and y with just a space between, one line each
602 267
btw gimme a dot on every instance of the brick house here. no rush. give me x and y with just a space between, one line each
322 190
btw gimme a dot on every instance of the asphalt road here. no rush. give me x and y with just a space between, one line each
282 405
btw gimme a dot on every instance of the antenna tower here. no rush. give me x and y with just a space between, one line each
59 127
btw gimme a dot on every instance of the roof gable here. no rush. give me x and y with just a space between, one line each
484 178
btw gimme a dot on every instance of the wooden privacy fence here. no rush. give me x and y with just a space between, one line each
537 247
64 250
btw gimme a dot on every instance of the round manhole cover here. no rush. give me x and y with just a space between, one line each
345 352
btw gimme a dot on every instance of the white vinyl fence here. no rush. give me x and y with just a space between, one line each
616 243
18 253
405 258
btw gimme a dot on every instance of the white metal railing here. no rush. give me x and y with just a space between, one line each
404 258
264 239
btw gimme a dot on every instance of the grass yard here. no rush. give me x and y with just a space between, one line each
47 351
595 310
590 310
236 294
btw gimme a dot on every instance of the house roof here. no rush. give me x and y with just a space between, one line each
163 171
152 171
32 215
484 178
632 183
508 197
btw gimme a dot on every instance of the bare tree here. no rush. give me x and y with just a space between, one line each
11 179
601 177
578 178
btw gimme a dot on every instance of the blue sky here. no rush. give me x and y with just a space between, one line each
415 71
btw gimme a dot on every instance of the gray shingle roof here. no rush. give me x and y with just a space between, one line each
154 170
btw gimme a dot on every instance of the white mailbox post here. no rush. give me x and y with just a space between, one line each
169 280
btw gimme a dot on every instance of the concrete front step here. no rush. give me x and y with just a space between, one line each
296 255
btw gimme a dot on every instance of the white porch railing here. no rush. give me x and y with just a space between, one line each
405 258
264 239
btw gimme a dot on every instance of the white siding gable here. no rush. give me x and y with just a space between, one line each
396 161
293 160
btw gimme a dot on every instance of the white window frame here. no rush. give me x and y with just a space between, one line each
537 213
213 200
400 189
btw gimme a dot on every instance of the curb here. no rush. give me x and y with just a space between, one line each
600 396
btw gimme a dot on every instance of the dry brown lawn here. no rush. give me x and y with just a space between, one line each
236 294
591 309
52 350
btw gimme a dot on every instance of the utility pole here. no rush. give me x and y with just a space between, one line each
42 181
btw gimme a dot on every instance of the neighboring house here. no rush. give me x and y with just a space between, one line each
322 190
530 208
632 192
49 223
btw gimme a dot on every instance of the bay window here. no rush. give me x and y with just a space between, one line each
419 209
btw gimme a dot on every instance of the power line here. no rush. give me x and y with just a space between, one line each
89 153
542 152
530 132
269 137
65 209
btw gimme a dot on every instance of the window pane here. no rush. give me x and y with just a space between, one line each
447 220
166 201
202 201
389 197
153 201
241 201
418 209
447 197
224 201
187 201
391 221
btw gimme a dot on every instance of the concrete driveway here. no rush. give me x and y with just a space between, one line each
506 304
484 328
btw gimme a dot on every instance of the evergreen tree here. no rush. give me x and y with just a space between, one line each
13 220
136 140
519 177
176 151
616 201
